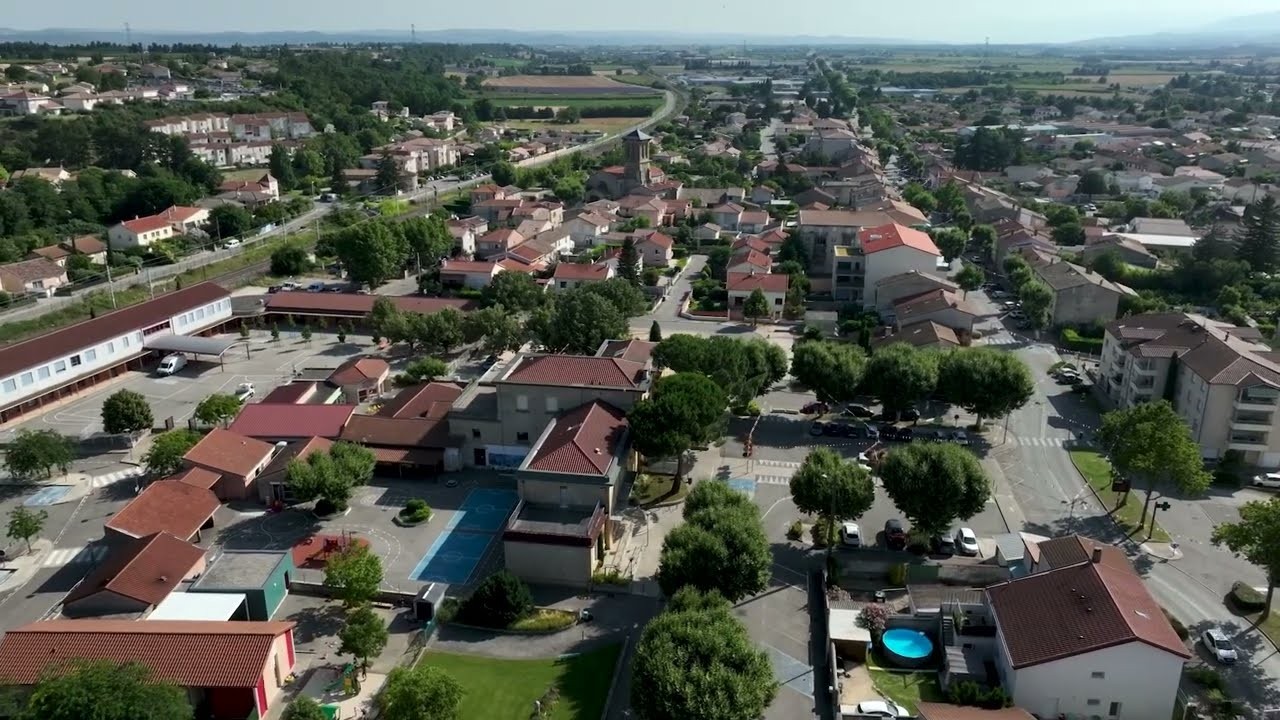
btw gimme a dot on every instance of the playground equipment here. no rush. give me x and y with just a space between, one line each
347 683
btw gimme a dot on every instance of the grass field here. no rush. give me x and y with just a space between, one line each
505 689
578 101
607 125
1096 471
556 83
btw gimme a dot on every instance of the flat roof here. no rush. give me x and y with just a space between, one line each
843 624
214 346
198 606
240 569
1152 240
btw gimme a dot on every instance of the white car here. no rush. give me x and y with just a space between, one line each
966 541
851 535
1269 480
880 708
316 287
232 243
244 392
1219 646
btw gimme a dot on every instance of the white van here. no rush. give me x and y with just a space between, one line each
171 364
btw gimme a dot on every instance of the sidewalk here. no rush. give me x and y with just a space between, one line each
25 566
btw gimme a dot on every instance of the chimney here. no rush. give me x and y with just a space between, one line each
1097 555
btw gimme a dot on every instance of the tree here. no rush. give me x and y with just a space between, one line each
831 487
228 221
500 330
35 453
330 477
164 457
363 635
503 173
684 410
655 332
371 252
218 409
386 320
1068 234
25 524
428 239
1258 241
1151 444
1037 300
970 278
1092 183
353 574
517 292
984 239
935 484
756 306
304 708
421 692
629 262
1256 537
833 371
696 662
578 322
951 241
985 381
721 546
1109 265
498 602
626 297
305 334
422 370
281 166
126 412
901 375
106 691
387 175
290 260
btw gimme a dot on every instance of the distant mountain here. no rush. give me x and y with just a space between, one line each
1248 30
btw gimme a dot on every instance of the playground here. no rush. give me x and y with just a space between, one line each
467 538
341 692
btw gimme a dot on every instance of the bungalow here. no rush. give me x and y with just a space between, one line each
361 378
727 216
36 276
656 249
143 231
941 306
587 229
741 286
570 275
238 459
467 273
496 242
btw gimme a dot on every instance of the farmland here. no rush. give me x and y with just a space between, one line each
568 85
652 102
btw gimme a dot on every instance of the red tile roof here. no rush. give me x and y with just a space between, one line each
747 282
886 237
229 452
360 371
583 441
1077 609
189 653
147 570
284 420
577 370
577 271
749 256
634 350
468 266
429 400
146 224
350 304
946 711
293 392
198 477
660 239
170 506
408 432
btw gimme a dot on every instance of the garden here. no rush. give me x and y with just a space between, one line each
503 602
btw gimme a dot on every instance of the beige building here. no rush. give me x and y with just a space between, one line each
1080 296
1223 380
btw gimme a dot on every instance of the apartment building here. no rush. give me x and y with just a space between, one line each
1223 380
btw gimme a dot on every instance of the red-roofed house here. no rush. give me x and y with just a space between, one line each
570 275
231 669
361 378
283 422
888 250
237 458
167 506
467 273
656 249
136 577
740 286
497 241
141 232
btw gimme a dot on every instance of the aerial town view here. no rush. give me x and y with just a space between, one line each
679 361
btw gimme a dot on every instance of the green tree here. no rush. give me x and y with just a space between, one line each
305 334
126 412
105 691
696 662
281 166
756 306
36 453
629 262
1258 241
363 635
901 375
498 602
627 298
25 524
290 260
218 409
304 708
330 477
833 371
983 238
421 692
831 487
387 175
684 410
422 370
1151 444
578 322
1092 183
499 330
353 574
951 241
503 173
517 292
1109 265
987 382
386 320
440 331
428 240
1256 538
1037 301
935 484
371 252
1068 234
970 278
164 457
228 221
721 546
655 332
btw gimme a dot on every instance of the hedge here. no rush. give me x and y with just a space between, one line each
1246 598
1073 340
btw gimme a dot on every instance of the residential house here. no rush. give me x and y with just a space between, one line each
763 195
707 232
465 232
823 230
143 231
588 228
741 286
726 215
747 259
651 209
382 110
888 291
1129 251
656 249
89 246
570 275
944 307
1080 296
467 273
1133 182
926 334
1018 174
37 276
1161 226
886 251
1223 163
361 378
497 242
443 121
55 176
238 459
55 254
135 577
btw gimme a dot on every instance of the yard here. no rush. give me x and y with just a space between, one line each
907 689
1096 471
506 689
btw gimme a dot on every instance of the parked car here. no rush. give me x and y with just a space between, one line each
850 535
859 411
1219 646
244 391
171 364
911 414
870 431
232 243
1082 388
895 535
880 708
1269 480
833 430
944 545
959 437
966 542
1070 380
289 285
315 287
817 407
818 428
1017 314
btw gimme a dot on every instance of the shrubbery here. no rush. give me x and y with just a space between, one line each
500 601
416 510
1247 599
969 692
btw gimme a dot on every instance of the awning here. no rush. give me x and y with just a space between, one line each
407 456
214 346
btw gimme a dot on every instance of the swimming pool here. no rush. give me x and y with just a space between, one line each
907 648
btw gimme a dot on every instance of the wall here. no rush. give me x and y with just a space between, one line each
276 588
1085 304
893 261
537 414
278 666
547 490
886 295
1141 678
555 564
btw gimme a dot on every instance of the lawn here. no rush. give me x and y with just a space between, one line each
505 689
1096 471
907 689
605 125
656 488
652 102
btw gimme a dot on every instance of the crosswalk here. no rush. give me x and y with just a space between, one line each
1056 442
81 555
101 481
773 480
1001 339
779 463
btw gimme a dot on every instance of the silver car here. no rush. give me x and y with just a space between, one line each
1219 646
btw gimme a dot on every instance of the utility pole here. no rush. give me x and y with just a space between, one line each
150 286
413 33
111 287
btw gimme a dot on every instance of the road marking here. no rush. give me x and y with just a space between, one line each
81 555
773 480
779 463
101 481
1038 441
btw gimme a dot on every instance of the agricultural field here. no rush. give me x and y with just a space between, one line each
605 125
580 85
653 102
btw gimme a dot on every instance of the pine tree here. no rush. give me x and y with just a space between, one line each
655 332
1259 240
1213 246
629 262
388 177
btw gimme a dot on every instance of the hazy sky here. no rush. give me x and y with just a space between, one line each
1005 21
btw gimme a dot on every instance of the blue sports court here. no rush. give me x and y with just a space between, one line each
453 557
47 495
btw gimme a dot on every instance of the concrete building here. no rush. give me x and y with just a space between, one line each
236 458
37 276
741 286
823 230
1080 296
888 251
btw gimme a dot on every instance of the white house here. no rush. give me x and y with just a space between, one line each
588 229
894 249
570 275
656 249
467 273
741 286
1082 637
141 232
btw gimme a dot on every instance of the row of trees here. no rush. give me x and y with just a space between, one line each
1035 296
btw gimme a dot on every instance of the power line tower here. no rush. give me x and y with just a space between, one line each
413 33
128 36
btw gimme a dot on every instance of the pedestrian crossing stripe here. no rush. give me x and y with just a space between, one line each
82 555
1039 441
101 481
1002 340
779 463
773 480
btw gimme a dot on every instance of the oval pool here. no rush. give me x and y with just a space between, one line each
907 648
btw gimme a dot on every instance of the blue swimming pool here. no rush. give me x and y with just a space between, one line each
907 648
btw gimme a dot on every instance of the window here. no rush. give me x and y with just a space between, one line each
43 372
200 314
90 355
125 340
60 366
1097 675
522 437
111 348
522 403
27 379
553 404
10 385
75 361
1093 701
475 433
1115 709
777 301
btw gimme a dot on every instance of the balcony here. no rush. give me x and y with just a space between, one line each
1142 385
1254 422
1247 441
1147 368
1255 404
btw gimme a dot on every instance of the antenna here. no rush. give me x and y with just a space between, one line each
413 33
128 35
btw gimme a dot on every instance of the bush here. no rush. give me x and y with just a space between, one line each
416 510
612 576
545 620
1246 599
824 533
873 617
898 575
795 531
1206 677
500 600
971 693
1178 627
1073 340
